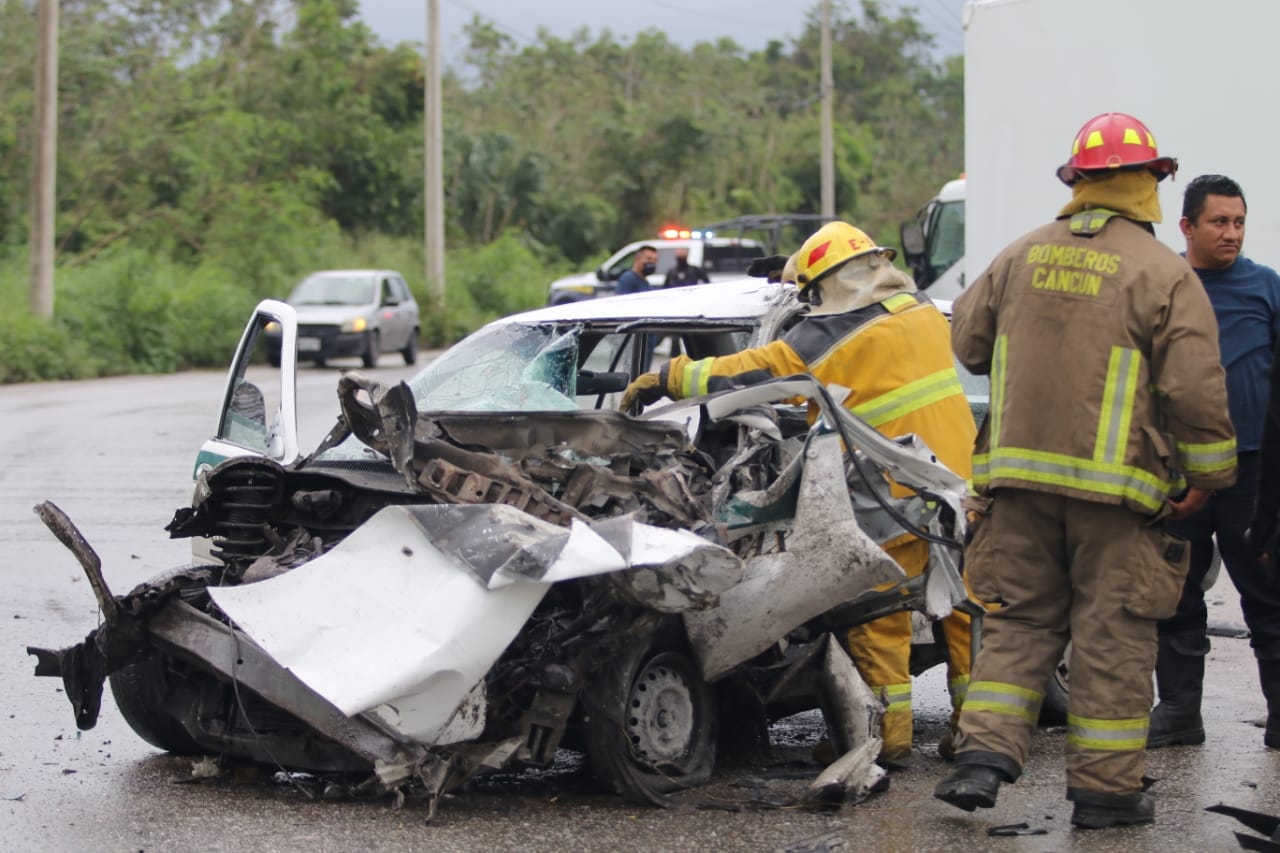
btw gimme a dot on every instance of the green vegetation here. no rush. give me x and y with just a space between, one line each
212 153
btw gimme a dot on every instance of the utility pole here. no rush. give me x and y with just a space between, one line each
433 159
44 173
828 96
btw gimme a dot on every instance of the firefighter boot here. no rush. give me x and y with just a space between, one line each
1096 810
976 780
1179 680
1269 674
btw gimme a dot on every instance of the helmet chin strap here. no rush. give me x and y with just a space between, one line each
812 295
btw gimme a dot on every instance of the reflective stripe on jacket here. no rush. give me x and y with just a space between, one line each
894 356
1106 382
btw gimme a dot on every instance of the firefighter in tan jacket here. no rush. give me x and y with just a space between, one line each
1107 398
870 331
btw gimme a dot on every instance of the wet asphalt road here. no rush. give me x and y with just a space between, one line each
116 455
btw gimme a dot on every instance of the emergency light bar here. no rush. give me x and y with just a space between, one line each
673 232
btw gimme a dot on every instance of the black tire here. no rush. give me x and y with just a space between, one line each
1053 712
139 690
410 351
650 724
373 345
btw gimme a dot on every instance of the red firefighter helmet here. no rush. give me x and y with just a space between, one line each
1114 141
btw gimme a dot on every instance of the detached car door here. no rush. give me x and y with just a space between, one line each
259 404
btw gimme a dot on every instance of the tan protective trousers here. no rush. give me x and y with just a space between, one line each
1053 569
881 650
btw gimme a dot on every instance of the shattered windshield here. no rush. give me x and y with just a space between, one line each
505 368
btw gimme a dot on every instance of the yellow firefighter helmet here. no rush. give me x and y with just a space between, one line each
830 246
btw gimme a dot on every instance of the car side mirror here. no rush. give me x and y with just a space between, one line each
591 382
602 274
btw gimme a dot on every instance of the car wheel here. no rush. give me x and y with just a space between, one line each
410 351
372 348
650 724
141 689
1053 712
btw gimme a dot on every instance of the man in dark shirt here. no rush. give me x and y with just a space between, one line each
635 279
1246 302
684 272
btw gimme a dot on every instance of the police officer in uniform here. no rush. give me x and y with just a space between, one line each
685 273
1108 399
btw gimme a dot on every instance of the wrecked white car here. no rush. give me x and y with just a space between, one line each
490 562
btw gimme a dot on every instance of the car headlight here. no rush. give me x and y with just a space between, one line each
355 324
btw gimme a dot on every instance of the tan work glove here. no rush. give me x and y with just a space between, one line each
646 388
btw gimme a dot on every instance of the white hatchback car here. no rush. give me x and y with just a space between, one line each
343 313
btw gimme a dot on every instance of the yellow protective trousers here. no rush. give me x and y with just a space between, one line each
881 650
1051 569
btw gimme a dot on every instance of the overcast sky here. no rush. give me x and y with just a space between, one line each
751 23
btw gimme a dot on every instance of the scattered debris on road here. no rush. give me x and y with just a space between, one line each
1268 825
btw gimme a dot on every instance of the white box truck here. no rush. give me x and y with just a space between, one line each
1197 74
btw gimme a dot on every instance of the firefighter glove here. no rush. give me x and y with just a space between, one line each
646 388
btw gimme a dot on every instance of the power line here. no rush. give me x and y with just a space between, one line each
667 7
944 25
946 29
948 26
710 16
950 18
672 7
491 21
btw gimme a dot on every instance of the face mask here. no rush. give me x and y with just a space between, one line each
682 263
649 268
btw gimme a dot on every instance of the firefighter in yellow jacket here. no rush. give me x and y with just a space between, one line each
870 331
1107 398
